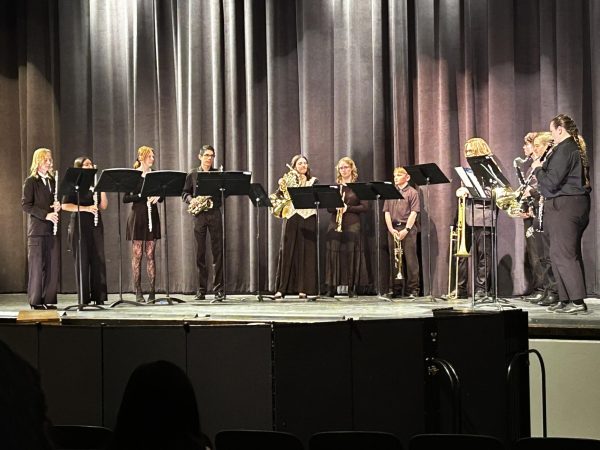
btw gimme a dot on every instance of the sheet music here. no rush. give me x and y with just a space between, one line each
470 181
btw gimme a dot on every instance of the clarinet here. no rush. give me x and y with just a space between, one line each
95 200
55 229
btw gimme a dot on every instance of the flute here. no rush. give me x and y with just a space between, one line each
149 206
55 229
95 199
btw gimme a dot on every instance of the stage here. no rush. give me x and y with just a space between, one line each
303 367
248 308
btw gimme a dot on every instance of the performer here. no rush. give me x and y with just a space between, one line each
93 262
537 244
345 263
478 217
207 217
39 201
143 226
297 263
563 180
401 220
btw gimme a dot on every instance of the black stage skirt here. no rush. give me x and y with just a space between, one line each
137 223
297 264
345 262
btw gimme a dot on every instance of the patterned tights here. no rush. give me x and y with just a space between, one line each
136 263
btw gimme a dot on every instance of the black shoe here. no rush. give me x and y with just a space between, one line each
219 296
391 295
200 296
50 306
151 296
537 297
352 293
548 300
455 295
572 308
330 293
139 297
556 306
38 306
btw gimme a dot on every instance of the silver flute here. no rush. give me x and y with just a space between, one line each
55 229
95 200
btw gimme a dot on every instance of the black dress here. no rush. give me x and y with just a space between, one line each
345 262
137 221
93 261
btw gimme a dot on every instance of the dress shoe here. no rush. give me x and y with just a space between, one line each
352 293
392 295
549 299
139 297
278 296
455 295
152 296
50 306
200 296
572 308
219 296
536 297
38 306
556 306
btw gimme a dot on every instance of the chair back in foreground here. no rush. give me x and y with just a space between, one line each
354 440
435 441
556 443
82 437
256 440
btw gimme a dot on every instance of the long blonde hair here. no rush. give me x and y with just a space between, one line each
38 158
143 153
350 162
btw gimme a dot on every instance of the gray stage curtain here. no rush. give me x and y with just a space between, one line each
386 82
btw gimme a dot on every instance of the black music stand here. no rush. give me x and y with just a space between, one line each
486 169
260 199
426 175
377 190
164 183
78 180
317 197
119 180
223 184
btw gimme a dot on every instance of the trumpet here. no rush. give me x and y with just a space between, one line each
398 252
280 199
339 216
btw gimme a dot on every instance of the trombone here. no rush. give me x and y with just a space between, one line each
458 247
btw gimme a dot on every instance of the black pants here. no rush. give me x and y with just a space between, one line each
565 219
93 261
481 255
43 259
533 248
209 221
410 263
542 242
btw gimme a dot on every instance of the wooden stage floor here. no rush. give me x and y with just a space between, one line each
247 308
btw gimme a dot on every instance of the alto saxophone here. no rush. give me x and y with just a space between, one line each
398 256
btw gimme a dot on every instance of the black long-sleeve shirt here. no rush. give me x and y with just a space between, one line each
562 172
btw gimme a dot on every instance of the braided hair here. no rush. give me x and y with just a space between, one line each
570 126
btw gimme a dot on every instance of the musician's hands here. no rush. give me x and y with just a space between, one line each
52 217
462 192
536 163
91 209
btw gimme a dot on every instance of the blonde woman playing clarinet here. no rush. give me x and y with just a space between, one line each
93 261
143 226
43 246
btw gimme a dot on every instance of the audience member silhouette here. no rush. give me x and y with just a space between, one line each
23 422
159 411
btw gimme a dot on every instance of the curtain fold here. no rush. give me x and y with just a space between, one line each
386 82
